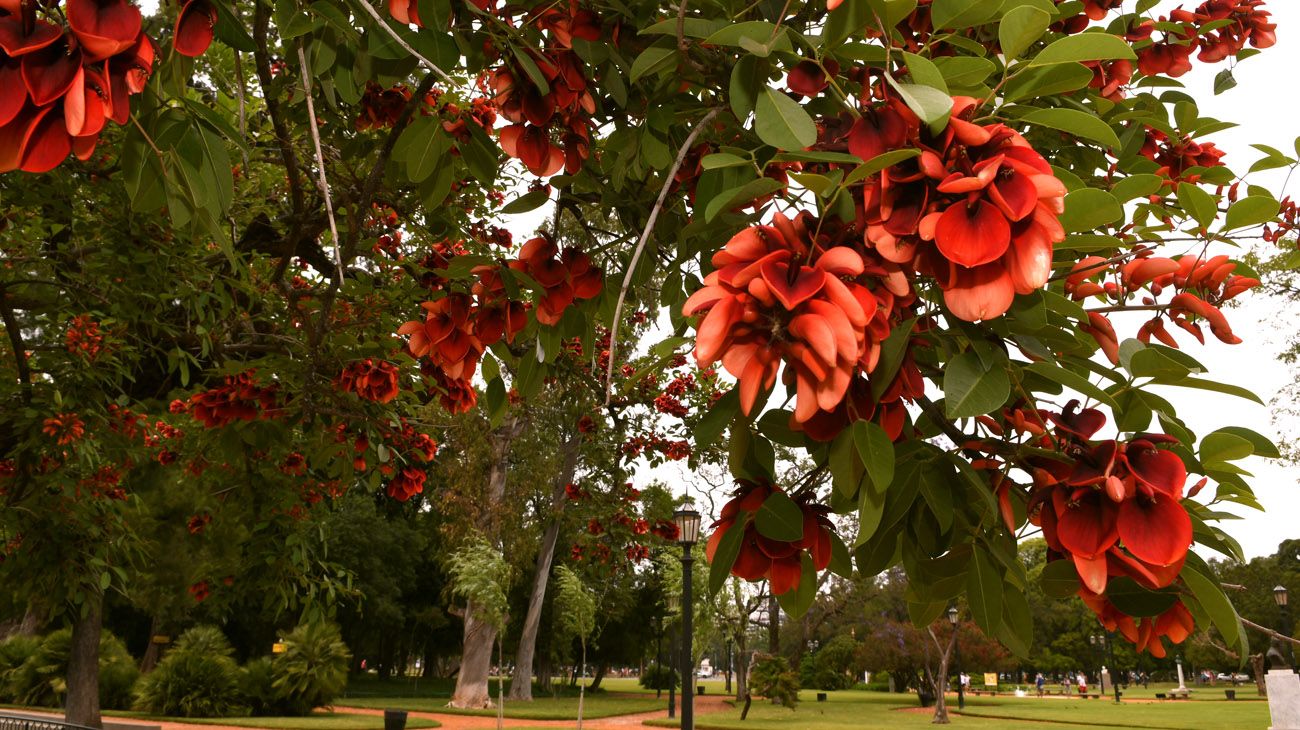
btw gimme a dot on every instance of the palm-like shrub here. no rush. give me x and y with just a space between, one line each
14 652
773 678
257 682
313 668
41 680
197 678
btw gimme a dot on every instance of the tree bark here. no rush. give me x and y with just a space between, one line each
941 681
154 650
521 683
599 674
472 691
773 626
82 706
479 636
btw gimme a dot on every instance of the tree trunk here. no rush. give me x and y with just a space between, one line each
582 688
472 690
545 675
741 668
773 626
601 669
941 682
1257 668
154 650
521 682
83 665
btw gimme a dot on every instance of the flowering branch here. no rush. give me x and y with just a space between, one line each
645 236
320 163
405 46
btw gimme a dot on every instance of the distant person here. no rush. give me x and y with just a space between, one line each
1040 684
1083 683
1066 683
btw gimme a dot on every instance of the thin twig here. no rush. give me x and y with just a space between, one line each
261 23
645 236
402 42
243 119
320 162
19 348
1274 634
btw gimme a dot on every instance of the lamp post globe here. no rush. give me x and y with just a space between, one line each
688 533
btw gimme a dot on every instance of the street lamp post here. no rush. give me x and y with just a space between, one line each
1284 625
956 658
688 533
672 652
1110 657
1095 641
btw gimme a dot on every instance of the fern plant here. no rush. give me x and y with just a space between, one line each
197 678
313 669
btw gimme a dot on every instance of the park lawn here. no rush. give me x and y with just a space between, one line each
1167 715
598 705
848 709
319 720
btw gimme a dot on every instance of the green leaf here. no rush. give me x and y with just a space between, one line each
654 58
1047 81
531 200
725 556
736 197
1212 599
1090 208
1071 380
748 80
924 72
1251 211
1224 447
754 31
797 602
841 560
878 163
984 591
781 122
723 159
954 14
876 452
1084 47
1060 579
891 357
1211 385
928 103
779 518
1136 186
715 421
1077 123
1017 629
1197 203
970 389
1262 445
1020 28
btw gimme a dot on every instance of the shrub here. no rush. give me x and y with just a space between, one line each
773 678
42 678
657 676
197 678
313 669
257 683
14 652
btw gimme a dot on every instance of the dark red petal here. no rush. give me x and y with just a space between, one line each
1160 470
970 235
1015 194
48 142
49 72
16 43
1156 530
103 27
807 282
785 574
1087 528
1092 572
13 92
984 292
193 32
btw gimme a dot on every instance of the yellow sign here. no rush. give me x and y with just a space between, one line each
277 648
161 639
990 679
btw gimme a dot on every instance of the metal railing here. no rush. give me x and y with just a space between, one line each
19 721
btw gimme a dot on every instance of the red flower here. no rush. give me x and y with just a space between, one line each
193 32
376 381
762 557
406 484
103 27
200 591
65 428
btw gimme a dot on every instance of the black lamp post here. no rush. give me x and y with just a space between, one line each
1284 626
672 651
1099 655
688 533
956 658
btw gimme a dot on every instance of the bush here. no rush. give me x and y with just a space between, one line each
14 652
773 678
312 670
657 676
197 678
42 678
257 682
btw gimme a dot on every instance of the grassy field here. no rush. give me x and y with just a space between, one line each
542 707
319 720
853 709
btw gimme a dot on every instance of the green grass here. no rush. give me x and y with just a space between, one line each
319 720
852 709
541 708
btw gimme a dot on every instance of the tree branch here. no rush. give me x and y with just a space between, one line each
19 348
365 4
320 163
640 245
261 20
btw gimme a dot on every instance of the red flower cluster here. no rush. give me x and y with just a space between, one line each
200 591
778 296
239 398
1200 286
408 483
977 210
566 279
762 557
376 381
199 522
1115 511
83 337
564 110
381 107
1246 22
65 428
1177 160
59 85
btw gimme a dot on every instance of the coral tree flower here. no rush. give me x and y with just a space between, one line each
761 557
193 32
1115 512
